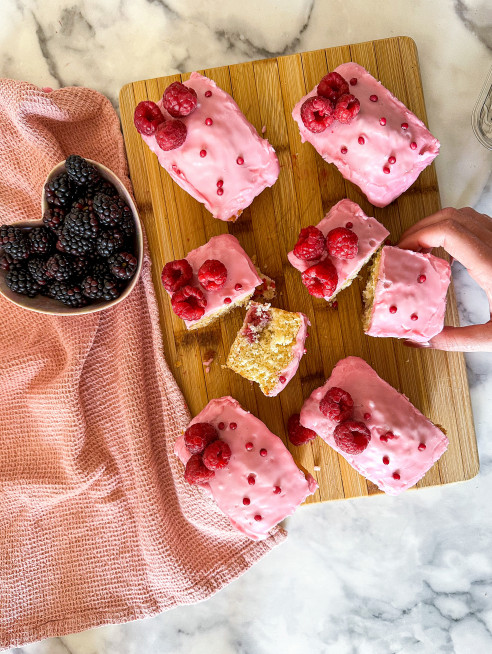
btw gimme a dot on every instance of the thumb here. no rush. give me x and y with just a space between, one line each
475 338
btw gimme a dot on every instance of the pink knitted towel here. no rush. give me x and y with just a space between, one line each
96 522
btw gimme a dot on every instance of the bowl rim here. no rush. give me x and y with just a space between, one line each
25 302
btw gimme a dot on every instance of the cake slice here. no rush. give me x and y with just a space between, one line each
370 136
254 478
348 219
405 296
375 428
269 347
216 156
210 281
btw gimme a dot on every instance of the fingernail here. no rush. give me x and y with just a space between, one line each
417 346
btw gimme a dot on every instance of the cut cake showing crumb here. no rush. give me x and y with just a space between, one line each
269 346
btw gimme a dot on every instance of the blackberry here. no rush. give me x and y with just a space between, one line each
53 218
6 261
73 243
80 267
20 280
69 294
59 191
14 242
127 223
106 188
100 288
37 267
122 265
109 210
109 242
100 268
81 171
82 221
59 267
41 240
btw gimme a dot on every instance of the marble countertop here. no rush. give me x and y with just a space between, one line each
377 575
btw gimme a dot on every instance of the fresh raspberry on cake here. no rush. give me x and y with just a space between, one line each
179 100
198 436
332 86
147 117
189 303
176 274
347 108
217 455
196 472
310 244
321 279
171 135
317 114
352 437
337 404
342 243
212 275
299 435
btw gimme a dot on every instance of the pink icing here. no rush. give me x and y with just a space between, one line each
420 305
364 159
275 468
229 137
240 270
389 412
369 231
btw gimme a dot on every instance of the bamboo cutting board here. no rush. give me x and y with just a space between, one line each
307 188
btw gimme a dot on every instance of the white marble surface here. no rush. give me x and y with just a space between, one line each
411 575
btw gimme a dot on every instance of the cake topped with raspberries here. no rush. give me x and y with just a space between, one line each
247 469
203 140
405 296
354 122
210 281
375 428
330 255
269 347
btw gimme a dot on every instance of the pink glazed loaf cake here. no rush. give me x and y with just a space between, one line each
405 296
354 122
210 281
375 428
207 146
247 469
330 255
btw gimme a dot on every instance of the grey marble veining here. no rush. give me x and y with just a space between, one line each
379 575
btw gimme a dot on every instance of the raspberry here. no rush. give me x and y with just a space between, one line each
196 472
352 437
310 244
347 108
176 274
299 435
189 303
342 243
217 455
147 118
317 114
337 404
212 275
179 100
321 280
332 86
198 436
171 135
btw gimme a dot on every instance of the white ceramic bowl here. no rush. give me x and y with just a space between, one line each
42 304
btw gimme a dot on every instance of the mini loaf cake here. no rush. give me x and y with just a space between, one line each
405 296
375 428
354 122
330 255
269 347
205 143
210 281
247 469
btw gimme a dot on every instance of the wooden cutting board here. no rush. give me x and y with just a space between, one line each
307 188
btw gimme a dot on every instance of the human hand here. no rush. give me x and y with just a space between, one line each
467 236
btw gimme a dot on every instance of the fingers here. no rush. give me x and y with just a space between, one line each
478 223
475 338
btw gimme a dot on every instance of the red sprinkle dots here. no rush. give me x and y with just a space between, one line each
386 170
249 446
208 94
382 121
221 425
383 438
257 517
392 160
373 98
239 161
220 191
203 153
282 379
251 480
238 287
386 460
389 434
353 81
393 309
414 316
277 490
413 145
422 447
396 475
334 304
404 125
349 225
246 501
233 425
361 140
367 416
422 279
227 300
208 121
343 150
263 452
220 183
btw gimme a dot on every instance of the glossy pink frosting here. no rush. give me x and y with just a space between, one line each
369 231
228 137
389 412
363 164
277 468
240 270
398 286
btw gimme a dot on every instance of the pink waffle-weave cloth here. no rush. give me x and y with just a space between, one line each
97 524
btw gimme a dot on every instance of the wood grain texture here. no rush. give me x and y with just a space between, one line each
307 188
